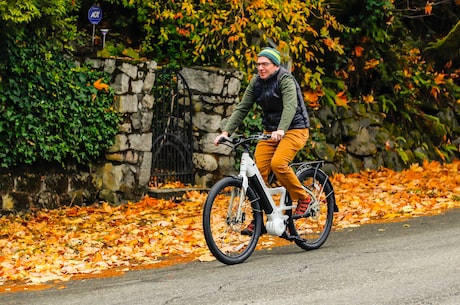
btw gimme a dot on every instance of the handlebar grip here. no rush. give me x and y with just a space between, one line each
224 139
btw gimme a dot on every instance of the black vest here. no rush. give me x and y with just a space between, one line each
268 95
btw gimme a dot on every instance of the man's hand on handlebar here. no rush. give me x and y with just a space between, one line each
217 140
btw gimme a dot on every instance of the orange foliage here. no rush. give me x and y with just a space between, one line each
99 85
54 245
358 51
428 8
387 195
341 99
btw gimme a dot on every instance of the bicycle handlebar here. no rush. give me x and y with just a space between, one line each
243 140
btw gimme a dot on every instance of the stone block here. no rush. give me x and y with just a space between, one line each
136 120
112 176
117 157
149 81
233 87
129 69
129 180
145 169
147 101
94 62
140 142
227 165
151 65
127 104
207 122
121 144
362 145
205 162
7 202
146 121
132 157
110 65
211 82
121 84
324 150
137 85
125 128
109 196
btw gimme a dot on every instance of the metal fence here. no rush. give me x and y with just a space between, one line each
172 147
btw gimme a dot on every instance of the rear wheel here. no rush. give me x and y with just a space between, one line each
313 229
227 212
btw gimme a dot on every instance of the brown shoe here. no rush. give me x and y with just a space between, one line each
302 206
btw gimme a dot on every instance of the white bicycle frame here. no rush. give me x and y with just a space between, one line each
277 220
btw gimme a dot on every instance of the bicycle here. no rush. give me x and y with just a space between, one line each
232 201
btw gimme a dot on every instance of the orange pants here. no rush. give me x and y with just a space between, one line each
276 156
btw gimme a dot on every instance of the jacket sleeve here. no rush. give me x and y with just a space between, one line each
242 109
289 98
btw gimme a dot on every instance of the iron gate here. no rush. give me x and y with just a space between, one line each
172 146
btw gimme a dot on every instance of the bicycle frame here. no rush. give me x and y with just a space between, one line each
250 175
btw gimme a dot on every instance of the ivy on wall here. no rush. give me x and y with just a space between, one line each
49 107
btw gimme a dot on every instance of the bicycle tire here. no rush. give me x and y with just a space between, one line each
312 231
221 226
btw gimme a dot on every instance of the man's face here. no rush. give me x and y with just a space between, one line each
265 67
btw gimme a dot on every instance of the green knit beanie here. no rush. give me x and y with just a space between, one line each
272 54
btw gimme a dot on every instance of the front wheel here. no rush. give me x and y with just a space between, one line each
228 210
312 230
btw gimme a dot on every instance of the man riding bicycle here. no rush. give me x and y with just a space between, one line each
284 117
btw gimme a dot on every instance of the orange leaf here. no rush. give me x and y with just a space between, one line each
107 208
368 99
341 99
428 8
440 79
370 64
435 92
101 86
97 257
359 51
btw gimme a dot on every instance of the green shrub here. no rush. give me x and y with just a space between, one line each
49 107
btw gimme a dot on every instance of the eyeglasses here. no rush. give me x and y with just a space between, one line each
263 64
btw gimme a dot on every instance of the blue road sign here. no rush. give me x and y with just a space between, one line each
95 14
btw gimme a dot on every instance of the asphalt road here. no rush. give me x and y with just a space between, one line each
412 262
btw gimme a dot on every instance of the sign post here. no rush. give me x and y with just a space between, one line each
94 16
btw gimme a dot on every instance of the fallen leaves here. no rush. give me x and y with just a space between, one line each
49 245
388 195
56 245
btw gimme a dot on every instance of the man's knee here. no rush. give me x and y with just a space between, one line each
278 165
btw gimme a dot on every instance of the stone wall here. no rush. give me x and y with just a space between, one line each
215 93
359 138
126 171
